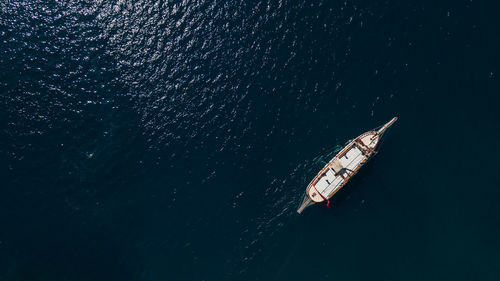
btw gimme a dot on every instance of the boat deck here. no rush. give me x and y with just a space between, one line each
330 181
340 169
336 173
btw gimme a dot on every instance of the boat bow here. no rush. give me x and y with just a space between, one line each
386 126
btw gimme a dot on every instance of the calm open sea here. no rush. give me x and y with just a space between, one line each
173 140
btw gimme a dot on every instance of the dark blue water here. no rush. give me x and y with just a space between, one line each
173 140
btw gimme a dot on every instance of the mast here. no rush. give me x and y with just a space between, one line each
386 126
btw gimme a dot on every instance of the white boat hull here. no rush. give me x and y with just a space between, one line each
340 169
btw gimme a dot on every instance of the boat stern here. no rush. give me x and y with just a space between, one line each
311 197
305 203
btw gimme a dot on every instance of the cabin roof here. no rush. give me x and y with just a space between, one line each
338 170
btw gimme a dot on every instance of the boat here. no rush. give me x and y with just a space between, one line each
343 166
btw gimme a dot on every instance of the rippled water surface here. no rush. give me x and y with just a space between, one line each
173 140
